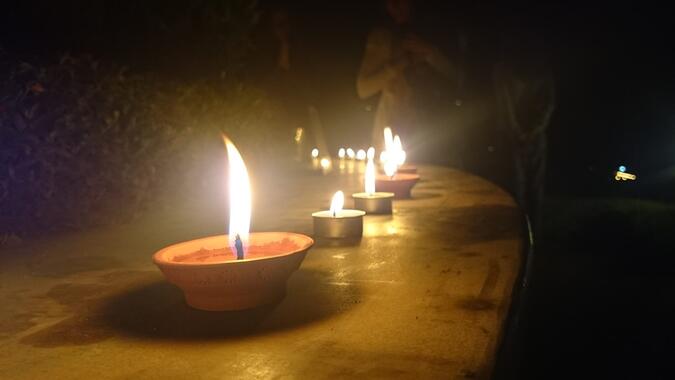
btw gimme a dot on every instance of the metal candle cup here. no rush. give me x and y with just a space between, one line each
373 203
400 184
344 224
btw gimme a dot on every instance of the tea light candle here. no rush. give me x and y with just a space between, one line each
336 222
351 154
370 201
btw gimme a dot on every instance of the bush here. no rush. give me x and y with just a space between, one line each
80 138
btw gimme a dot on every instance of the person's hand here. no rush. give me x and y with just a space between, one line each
397 66
418 47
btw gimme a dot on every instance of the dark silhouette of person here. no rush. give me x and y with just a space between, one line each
402 68
525 94
283 70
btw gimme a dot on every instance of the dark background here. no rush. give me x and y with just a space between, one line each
601 304
613 67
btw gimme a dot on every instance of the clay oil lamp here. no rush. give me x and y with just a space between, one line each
316 163
337 222
400 184
341 157
240 270
370 201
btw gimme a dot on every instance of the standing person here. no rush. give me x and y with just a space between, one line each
525 93
286 76
398 65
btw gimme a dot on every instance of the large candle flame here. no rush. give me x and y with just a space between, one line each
315 153
370 177
350 153
240 196
341 153
337 203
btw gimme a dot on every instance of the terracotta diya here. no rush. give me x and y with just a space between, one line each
240 270
370 201
400 184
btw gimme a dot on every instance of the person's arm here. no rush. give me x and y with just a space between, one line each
377 68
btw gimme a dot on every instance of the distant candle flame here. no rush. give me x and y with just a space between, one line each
388 139
370 177
399 153
350 153
370 154
240 196
623 176
337 203
325 163
361 155
390 168
315 152
298 134
341 153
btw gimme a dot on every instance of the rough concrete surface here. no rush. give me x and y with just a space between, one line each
424 294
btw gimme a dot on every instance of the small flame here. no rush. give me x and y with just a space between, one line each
240 196
383 156
370 177
325 163
341 153
399 153
361 155
388 139
370 153
350 153
337 203
315 152
390 168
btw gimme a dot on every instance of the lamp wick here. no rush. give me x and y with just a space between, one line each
239 247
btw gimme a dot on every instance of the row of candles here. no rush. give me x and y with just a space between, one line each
348 223
242 270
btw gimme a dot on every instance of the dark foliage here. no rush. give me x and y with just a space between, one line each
84 143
